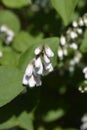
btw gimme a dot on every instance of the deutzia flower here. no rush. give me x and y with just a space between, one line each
85 72
30 78
38 50
85 19
60 53
81 22
38 66
48 51
62 40
75 24
73 46
9 34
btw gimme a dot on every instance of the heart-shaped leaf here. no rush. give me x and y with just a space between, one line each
65 8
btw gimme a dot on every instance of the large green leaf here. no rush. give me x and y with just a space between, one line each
29 54
16 3
10 84
23 40
9 19
65 8
83 46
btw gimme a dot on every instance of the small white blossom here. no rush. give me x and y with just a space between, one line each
65 51
29 70
38 66
79 31
25 80
3 28
85 19
46 59
73 35
81 22
37 51
62 40
85 72
48 51
60 53
75 24
31 81
1 54
48 67
74 46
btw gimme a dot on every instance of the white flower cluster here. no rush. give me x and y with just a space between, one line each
84 122
7 34
72 34
40 65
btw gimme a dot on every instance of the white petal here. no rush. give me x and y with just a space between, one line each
73 35
75 24
37 51
85 75
31 81
60 53
49 52
25 80
65 51
85 19
85 70
62 40
79 31
37 62
74 46
3 28
48 67
81 22
10 33
46 59
1 54
9 40
29 70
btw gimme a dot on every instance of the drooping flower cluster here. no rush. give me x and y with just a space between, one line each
6 34
70 41
40 66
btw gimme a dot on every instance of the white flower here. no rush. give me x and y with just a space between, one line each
48 51
1 54
65 51
62 40
60 53
48 67
31 81
25 80
79 31
85 72
38 66
85 19
75 24
3 28
73 35
74 46
29 70
81 22
37 51
46 59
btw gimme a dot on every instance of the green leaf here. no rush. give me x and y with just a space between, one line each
9 19
10 84
9 57
9 123
16 3
65 8
26 121
53 115
83 46
29 54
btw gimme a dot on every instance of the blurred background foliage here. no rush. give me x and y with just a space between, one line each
57 104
